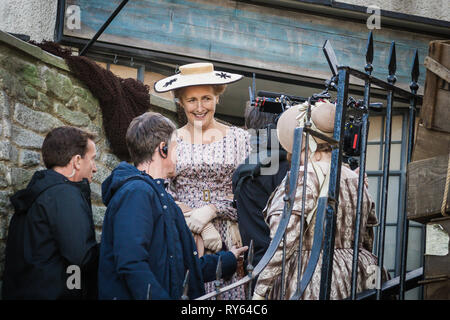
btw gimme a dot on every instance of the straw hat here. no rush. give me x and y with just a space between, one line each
196 74
322 120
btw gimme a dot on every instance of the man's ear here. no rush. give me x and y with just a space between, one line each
77 161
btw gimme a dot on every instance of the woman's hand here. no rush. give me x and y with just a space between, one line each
200 217
238 251
211 238
184 208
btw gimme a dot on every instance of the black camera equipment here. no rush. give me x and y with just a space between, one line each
275 102
352 130
352 137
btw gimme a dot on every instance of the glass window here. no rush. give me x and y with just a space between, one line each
392 200
397 183
373 157
397 128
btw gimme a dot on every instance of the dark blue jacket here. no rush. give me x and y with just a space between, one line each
145 241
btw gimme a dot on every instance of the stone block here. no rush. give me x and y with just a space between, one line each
5 176
31 75
6 128
23 69
28 158
98 214
75 118
98 235
3 228
101 174
4 104
5 149
98 131
31 92
57 84
96 193
82 104
110 160
5 204
26 138
42 102
35 120
14 154
13 87
2 251
79 91
20 177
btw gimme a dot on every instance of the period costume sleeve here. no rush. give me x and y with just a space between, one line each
274 211
133 225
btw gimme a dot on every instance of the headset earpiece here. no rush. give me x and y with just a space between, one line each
163 153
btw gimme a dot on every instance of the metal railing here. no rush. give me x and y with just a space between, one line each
325 225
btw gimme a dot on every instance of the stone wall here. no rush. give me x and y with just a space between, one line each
39 93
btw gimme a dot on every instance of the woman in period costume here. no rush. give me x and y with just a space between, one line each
268 285
208 153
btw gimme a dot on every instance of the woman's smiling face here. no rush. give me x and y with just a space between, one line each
199 104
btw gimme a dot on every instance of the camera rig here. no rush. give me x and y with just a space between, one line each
277 103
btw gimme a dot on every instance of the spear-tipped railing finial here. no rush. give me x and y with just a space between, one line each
217 283
185 287
369 54
392 64
415 73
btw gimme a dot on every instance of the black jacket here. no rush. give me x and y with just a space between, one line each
51 229
251 198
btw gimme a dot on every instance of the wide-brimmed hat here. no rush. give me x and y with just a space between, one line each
322 120
196 74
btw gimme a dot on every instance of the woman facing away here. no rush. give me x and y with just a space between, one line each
208 153
269 281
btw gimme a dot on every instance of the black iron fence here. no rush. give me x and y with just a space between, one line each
325 224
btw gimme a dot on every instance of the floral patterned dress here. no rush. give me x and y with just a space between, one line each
269 280
203 176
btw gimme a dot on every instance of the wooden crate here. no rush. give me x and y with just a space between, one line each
426 183
437 260
435 110
430 143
